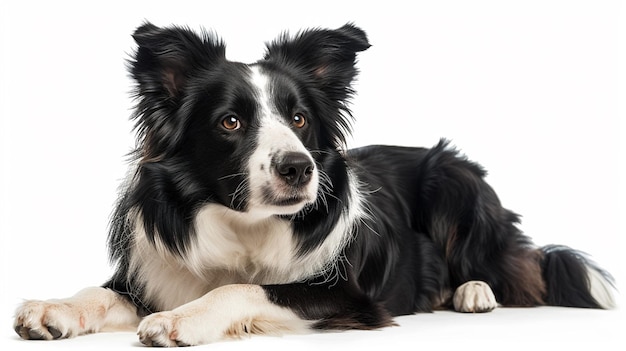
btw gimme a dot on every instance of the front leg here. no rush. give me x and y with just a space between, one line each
233 311
229 311
89 311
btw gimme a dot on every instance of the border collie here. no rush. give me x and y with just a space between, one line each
245 212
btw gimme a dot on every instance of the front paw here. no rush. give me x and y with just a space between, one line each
161 330
47 320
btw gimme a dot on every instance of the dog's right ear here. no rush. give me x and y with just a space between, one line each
162 65
166 57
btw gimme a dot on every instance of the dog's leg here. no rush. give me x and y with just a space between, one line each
479 238
232 311
89 311
228 311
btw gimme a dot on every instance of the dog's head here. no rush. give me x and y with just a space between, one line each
251 137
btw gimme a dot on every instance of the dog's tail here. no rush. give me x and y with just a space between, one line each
573 280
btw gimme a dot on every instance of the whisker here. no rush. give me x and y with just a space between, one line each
239 190
232 175
320 152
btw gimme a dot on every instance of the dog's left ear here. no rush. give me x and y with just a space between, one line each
327 56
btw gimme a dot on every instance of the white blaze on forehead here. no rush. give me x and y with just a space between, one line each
274 138
274 132
261 82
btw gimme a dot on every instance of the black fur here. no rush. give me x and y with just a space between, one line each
432 221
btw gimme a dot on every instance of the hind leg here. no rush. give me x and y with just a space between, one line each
89 311
478 237
474 297
508 274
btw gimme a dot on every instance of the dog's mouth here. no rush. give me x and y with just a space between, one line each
277 196
292 198
288 201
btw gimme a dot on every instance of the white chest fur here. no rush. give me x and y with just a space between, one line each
260 249
231 247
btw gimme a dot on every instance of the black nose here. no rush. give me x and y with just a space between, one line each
295 168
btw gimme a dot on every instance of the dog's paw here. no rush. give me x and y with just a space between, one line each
163 330
474 297
47 320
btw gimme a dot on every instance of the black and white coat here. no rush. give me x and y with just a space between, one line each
245 213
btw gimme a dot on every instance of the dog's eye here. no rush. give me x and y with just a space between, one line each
231 123
299 120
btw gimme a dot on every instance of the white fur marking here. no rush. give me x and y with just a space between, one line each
226 312
474 296
600 288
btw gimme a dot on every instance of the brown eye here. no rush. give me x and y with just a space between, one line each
298 120
231 123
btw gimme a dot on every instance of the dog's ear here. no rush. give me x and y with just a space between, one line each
324 59
327 56
165 60
166 57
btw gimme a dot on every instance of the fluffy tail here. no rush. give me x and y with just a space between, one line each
573 280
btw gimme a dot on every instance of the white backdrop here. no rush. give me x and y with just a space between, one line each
533 90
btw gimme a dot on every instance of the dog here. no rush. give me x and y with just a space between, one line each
246 213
